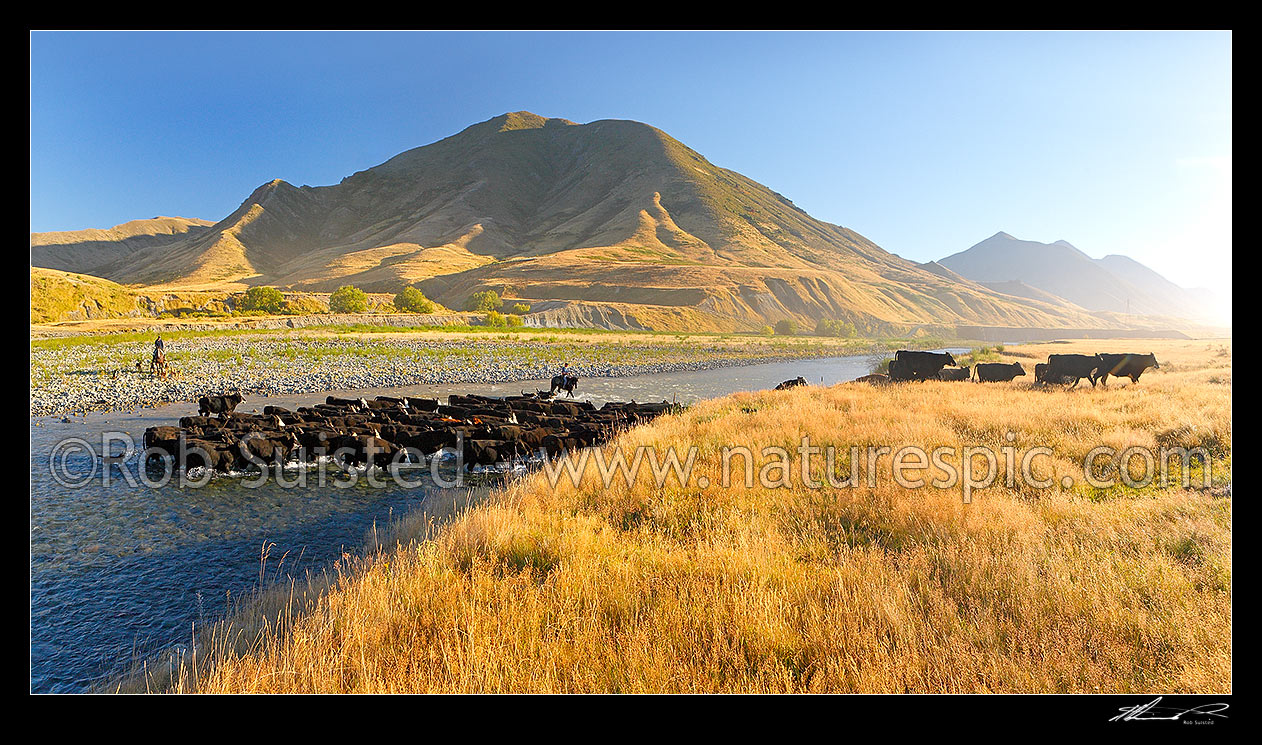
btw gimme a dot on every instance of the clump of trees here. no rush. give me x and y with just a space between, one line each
834 327
412 300
487 300
265 299
521 308
348 299
786 327
495 319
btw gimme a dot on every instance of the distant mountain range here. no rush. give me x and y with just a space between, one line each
1041 271
609 220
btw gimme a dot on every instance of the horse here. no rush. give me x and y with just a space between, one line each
158 365
565 383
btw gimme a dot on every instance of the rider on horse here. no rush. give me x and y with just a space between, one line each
566 381
159 355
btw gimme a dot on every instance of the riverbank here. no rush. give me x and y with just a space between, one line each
99 373
117 569
777 584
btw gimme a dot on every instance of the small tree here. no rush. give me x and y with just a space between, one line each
513 320
495 319
521 308
412 300
767 331
787 327
266 299
348 299
484 301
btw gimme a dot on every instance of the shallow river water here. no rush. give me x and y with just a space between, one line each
119 570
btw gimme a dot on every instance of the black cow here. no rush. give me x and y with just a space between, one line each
221 405
351 403
1040 372
998 372
954 373
1124 366
873 379
565 383
260 448
911 365
1070 369
791 383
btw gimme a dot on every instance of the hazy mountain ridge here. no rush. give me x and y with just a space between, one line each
91 249
1113 284
612 212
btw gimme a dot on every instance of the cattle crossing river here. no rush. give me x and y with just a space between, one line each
119 571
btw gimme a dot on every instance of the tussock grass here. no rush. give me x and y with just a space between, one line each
646 588
55 294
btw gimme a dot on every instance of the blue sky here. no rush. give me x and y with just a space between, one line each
924 142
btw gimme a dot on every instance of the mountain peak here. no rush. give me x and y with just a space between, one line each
515 120
263 192
1002 236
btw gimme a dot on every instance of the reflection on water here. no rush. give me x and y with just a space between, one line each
116 569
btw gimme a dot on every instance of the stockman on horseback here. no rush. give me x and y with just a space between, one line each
566 381
159 356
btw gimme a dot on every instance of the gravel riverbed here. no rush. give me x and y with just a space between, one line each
76 379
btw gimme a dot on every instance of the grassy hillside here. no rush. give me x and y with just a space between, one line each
62 297
57 296
635 587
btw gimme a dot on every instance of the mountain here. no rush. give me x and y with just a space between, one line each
1115 284
86 250
611 219
1176 300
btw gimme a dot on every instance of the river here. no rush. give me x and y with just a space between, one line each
121 570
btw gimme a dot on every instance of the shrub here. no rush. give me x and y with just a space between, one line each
495 319
348 299
266 299
879 365
979 354
767 331
513 320
786 327
412 300
521 308
487 300
304 304
834 327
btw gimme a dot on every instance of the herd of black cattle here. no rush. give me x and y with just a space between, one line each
485 430
387 430
1060 369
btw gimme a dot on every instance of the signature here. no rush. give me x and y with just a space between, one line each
1150 711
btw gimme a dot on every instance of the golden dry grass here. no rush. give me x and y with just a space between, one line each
640 588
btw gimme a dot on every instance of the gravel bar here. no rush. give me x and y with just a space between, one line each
81 378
